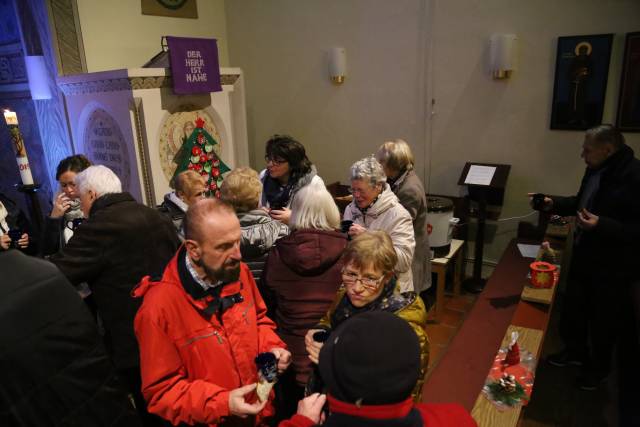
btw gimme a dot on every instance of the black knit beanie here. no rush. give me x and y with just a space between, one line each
371 359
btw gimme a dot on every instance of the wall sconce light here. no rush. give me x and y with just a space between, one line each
503 50
337 64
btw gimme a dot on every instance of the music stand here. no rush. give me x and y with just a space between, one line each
486 183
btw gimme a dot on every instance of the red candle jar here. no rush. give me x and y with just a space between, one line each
542 274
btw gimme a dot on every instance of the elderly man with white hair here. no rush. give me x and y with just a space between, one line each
120 242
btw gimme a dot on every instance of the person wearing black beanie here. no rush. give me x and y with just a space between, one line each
361 364
370 365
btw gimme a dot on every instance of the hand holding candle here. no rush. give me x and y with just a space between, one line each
11 118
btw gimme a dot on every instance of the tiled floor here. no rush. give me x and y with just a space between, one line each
440 333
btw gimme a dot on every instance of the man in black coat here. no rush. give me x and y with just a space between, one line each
55 370
120 242
605 256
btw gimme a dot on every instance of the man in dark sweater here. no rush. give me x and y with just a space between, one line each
55 370
120 242
605 255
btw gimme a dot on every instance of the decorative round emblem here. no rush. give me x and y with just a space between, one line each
176 128
172 4
105 145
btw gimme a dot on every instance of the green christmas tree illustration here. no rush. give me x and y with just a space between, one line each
197 153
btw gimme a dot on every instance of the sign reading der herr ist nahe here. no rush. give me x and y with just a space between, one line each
194 65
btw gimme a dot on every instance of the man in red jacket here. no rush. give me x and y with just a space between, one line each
201 327
369 381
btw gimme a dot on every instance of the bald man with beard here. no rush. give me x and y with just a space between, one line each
202 325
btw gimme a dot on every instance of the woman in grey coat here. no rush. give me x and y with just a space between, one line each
397 160
241 188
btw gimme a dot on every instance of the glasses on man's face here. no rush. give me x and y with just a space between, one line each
369 283
273 161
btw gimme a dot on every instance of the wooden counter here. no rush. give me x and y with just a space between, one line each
461 373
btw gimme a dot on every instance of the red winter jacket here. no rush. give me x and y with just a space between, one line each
347 414
190 364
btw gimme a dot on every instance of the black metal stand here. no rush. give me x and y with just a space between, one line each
34 205
484 194
476 283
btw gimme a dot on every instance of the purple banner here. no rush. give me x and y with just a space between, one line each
194 65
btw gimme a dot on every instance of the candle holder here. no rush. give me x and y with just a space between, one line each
31 191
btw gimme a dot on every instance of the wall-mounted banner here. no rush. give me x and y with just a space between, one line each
194 65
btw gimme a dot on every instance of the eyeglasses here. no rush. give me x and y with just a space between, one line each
273 161
356 190
368 283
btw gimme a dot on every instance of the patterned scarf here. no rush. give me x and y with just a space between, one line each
388 300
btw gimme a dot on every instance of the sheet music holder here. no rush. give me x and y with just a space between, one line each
486 183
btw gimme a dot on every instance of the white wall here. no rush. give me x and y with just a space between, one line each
479 119
116 34
280 44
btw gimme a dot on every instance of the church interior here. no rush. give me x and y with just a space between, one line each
493 98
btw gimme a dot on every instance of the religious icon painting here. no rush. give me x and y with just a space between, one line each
628 118
582 69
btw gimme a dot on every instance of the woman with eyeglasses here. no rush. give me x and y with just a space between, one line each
375 207
288 170
370 284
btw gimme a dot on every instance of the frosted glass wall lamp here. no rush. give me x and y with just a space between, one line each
503 49
337 64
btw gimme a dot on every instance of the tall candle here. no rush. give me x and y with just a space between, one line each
11 118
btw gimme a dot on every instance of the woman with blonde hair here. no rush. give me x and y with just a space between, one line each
397 161
370 284
241 188
189 187
303 274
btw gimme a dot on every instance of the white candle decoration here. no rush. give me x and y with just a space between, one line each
11 118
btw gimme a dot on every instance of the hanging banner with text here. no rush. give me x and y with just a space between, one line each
194 65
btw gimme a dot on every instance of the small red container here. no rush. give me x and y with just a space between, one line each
542 274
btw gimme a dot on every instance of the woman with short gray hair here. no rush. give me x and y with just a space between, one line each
369 170
396 159
375 207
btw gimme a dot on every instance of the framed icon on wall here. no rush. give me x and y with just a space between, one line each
628 117
582 69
